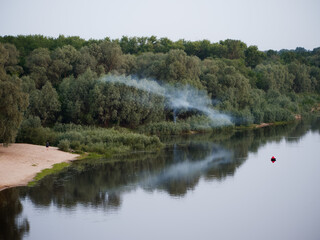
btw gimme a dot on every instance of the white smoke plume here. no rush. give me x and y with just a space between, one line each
182 97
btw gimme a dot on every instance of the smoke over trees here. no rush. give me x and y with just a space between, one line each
60 79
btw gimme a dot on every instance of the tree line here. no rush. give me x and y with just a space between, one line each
57 80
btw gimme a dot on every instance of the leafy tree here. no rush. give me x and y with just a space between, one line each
274 76
28 85
38 63
179 45
13 103
253 56
129 64
11 65
85 61
129 45
201 49
180 68
115 104
108 55
150 65
76 98
139 107
287 56
105 103
301 81
45 104
234 49
74 41
315 75
4 57
314 58
164 45
225 83
62 65
12 100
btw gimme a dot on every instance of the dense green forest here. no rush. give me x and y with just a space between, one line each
50 86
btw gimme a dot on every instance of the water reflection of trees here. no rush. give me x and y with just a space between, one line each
100 184
175 170
315 125
12 225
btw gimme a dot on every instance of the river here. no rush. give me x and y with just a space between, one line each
204 186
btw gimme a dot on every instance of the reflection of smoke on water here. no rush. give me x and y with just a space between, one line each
187 169
184 171
175 170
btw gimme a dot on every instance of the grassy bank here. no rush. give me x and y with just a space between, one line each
187 126
80 139
56 168
106 142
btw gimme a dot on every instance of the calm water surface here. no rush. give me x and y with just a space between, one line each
220 186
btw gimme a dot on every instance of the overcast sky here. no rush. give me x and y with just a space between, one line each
269 24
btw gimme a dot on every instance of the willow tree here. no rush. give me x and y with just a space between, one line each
76 99
44 103
62 65
38 63
274 77
12 101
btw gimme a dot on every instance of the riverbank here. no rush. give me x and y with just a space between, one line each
19 163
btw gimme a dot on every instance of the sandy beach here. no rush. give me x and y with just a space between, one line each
19 163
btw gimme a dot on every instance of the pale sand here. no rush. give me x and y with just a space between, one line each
19 163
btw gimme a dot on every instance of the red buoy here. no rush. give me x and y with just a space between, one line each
273 159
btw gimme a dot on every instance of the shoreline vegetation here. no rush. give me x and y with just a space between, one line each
107 97
20 155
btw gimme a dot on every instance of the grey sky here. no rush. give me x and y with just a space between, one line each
269 24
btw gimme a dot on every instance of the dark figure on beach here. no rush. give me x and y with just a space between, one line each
47 145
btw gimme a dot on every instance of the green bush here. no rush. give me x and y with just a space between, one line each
75 145
32 132
166 128
258 116
243 117
282 115
98 147
61 127
196 123
101 140
64 145
269 115
89 139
